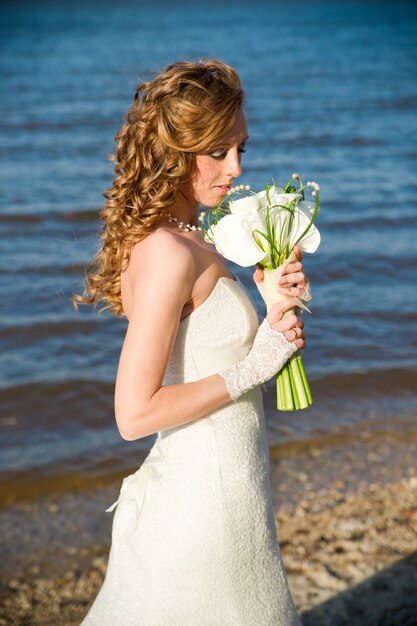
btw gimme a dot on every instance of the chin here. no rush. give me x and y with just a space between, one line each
213 199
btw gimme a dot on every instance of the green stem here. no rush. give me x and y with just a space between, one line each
296 393
293 390
280 391
289 404
305 381
298 383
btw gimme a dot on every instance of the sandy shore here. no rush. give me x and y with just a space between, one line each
349 545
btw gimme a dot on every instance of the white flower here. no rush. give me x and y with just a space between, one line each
234 235
311 241
247 204
233 238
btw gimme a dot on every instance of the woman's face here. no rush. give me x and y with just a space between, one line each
216 169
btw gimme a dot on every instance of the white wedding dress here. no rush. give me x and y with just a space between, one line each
194 540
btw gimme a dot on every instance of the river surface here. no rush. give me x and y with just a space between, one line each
331 93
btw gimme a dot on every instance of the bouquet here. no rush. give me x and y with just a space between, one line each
262 229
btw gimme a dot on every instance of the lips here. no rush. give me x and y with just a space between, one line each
224 188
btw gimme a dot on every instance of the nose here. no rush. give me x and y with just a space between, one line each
234 168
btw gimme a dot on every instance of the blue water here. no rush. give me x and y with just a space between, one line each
331 93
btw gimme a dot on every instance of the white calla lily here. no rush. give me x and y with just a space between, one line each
233 234
311 240
233 238
278 200
250 204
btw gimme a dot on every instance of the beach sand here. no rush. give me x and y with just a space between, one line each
346 519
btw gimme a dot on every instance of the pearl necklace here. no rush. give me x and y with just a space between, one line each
181 225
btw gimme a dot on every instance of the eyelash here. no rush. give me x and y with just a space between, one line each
223 154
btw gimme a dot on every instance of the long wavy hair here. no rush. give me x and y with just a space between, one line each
183 111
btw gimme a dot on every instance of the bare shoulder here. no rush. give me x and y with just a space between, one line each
162 249
163 259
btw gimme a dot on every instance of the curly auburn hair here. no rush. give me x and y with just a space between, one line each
183 111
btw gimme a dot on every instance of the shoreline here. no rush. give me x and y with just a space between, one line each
348 539
32 484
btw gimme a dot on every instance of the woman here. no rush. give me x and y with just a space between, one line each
194 540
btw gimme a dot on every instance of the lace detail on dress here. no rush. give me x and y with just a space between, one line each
270 351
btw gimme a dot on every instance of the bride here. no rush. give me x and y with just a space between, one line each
193 540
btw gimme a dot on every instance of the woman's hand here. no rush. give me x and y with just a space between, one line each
291 326
293 284
293 280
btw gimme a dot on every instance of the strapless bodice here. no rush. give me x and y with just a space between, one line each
217 334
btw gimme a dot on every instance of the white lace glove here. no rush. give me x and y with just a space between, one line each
269 352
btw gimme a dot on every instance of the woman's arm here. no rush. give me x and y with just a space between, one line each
162 284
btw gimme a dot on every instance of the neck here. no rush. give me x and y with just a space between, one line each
184 210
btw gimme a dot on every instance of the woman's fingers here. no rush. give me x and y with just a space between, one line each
290 325
293 273
298 253
296 335
292 278
258 275
300 343
286 324
295 292
278 309
293 281
297 266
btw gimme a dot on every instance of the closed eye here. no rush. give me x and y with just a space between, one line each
218 155
222 155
